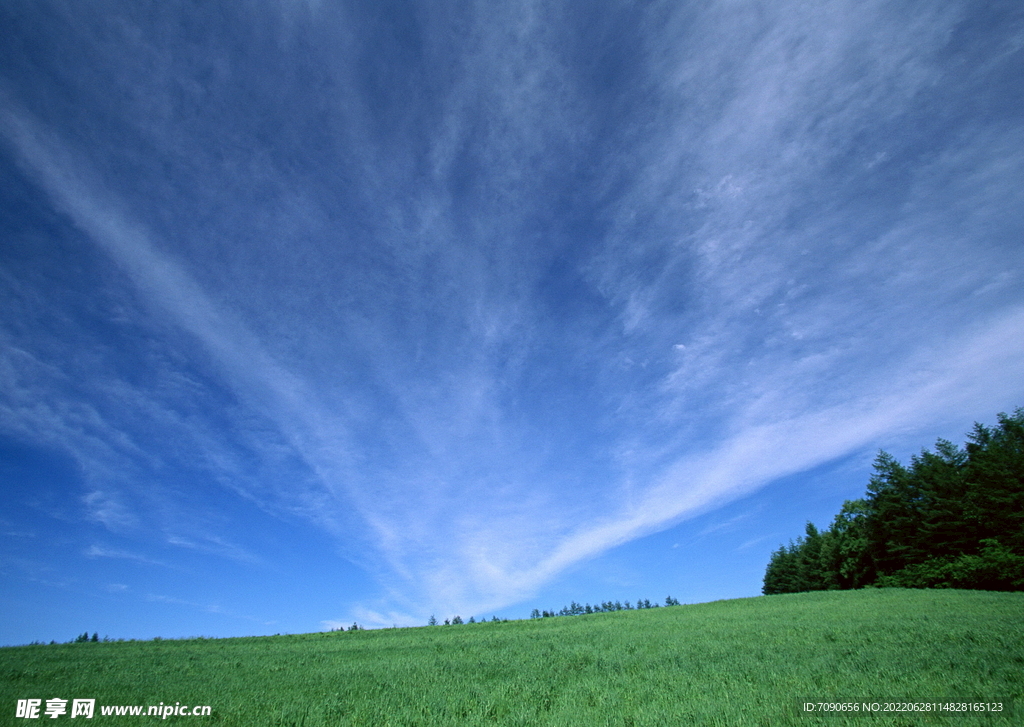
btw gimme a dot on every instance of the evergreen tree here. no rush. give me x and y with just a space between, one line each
844 550
783 572
810 575
995 468
944 530
894 502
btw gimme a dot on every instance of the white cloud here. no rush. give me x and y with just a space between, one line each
215 545
109 509
98 551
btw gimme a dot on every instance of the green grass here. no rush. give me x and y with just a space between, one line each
743 662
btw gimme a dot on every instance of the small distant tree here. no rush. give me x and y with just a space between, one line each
457 620
432 621
535 613
447 622
495 619
471 620
354 627
95 637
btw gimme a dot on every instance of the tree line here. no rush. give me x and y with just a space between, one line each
457 621
576 609
952 518
573 609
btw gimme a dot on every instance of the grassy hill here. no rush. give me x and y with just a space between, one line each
751 661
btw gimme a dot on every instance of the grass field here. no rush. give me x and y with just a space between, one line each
744 662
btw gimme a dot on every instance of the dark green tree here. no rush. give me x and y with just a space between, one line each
844 549
995 469
810 574
783 572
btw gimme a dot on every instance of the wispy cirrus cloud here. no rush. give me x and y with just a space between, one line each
213 608
215 545
99 551
165 284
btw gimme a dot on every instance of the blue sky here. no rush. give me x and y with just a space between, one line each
313 312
